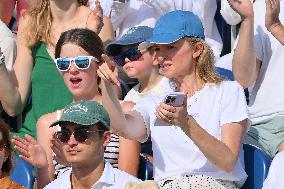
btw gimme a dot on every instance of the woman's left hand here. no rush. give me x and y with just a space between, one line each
175 115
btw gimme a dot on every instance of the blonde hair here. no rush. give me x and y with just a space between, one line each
205 62
40 21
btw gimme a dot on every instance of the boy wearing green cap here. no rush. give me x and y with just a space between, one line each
84 135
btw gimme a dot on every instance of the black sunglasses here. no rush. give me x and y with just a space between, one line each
80 135
132 54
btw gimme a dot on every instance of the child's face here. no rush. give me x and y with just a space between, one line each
140 67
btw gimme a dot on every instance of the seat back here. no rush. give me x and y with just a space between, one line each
225 73
145 171
257 164
23 173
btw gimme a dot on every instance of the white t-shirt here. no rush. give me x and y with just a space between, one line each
162 87
173 151
8 45
267 96
111 178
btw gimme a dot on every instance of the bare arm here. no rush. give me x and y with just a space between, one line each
44 135
129 125
129 154
212 148
244 67
107 33
15 87
272 22
129 150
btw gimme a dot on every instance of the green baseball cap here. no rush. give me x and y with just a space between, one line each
85 113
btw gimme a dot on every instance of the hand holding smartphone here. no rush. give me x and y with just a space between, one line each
173 99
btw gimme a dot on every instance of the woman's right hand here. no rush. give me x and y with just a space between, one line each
30 151
107 71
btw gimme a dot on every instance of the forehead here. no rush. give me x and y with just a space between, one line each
72 50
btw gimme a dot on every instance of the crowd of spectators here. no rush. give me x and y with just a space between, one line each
88 80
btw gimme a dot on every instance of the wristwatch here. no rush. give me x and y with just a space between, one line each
2 57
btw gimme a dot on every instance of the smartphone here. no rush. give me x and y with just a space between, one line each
173 99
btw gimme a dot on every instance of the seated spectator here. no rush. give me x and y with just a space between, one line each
258 64
138 63
81 46
83 136
34 73
6 159
211 121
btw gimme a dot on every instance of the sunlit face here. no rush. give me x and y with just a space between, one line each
81 83
176 59
87 152
138 68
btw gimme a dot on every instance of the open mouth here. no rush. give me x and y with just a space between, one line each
75 81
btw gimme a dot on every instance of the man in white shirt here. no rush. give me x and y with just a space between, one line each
84 135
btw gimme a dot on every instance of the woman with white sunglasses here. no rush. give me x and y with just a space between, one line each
34 73
78 55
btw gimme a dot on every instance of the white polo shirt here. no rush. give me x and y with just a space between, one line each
111 179
175 154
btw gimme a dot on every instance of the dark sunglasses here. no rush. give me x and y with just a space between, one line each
132 54
80 135
2 145
81 62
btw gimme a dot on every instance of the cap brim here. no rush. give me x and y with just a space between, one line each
144 45
115 48
71 121
164 38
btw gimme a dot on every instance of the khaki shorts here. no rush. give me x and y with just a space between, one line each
267 135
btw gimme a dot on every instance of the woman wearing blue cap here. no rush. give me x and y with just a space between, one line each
202 146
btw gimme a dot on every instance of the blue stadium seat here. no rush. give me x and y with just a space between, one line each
23 173
145 171
257 164
225 73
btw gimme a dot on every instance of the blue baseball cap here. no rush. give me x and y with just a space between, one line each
175 25
134 35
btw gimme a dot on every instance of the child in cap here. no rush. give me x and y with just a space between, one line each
139 64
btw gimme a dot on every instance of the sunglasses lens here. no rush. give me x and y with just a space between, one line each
82 62
81 135
133 54
119 59
63 136
63 64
